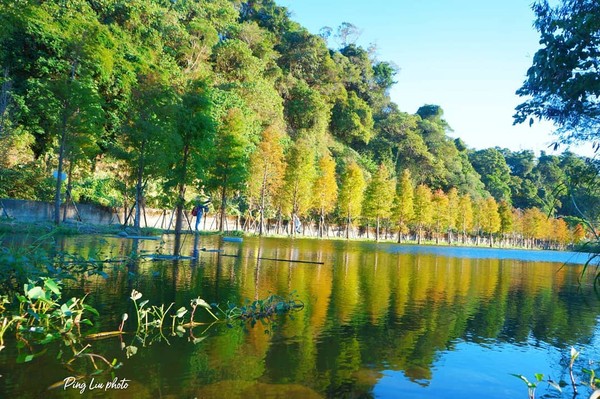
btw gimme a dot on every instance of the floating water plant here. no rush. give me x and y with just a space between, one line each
150 320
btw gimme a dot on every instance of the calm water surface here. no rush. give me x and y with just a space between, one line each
380 320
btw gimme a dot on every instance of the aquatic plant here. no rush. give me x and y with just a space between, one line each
532 386
150 319
262 310
590 378
42 318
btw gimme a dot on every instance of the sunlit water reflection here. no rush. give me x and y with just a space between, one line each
380 320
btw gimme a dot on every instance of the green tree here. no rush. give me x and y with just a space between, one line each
194 136
352 120
145 134
403 210
306 112
564 80
79 120
379 197
232 147
494 171
351 194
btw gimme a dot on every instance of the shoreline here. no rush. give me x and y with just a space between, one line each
71 228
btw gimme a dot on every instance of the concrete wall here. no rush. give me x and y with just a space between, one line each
38 211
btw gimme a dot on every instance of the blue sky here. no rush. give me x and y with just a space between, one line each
468 56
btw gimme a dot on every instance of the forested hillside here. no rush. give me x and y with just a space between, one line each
162 102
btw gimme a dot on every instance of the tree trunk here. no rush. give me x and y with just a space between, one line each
68 191
348 226
377 229
321 222
181 201
279 222
59 171
263 190
4 99
138 188
223 206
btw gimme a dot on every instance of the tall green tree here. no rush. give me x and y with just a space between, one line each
352 120
379 197
145 134
494 171
78 119
194 127
230 167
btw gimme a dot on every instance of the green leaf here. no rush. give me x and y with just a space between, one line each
524 379
91 310
181 312
24 358
35 293
539 377
49 338
52 286
554 385
64 309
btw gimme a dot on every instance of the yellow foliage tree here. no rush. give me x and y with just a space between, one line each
440 216
403 211
490 218
351 194
464 217
325 189
423 209
267 169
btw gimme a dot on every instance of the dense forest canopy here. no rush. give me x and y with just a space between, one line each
161 102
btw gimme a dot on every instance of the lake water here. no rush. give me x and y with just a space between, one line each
380 320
